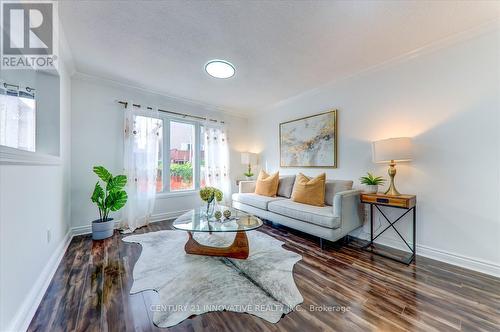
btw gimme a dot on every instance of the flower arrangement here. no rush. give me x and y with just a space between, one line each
209 194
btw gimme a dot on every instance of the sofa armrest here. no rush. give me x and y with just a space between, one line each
347 206
247 187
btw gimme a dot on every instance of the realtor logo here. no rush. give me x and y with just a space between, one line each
28 34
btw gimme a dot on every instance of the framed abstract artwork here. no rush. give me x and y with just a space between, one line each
309 141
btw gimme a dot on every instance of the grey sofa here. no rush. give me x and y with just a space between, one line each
341 214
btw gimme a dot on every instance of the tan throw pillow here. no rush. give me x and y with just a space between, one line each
309 191
267 185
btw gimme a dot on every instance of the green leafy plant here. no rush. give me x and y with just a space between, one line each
208 194
371 180
112 197
185 171
248 173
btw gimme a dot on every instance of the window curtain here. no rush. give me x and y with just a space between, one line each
141 145
217 160
17 117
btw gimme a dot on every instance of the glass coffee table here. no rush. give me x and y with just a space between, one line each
196 221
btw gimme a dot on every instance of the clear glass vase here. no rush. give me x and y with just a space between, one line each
210 208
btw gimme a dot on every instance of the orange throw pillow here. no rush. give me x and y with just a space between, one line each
267 185
309 191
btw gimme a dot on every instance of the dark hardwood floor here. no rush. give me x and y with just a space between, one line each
90 292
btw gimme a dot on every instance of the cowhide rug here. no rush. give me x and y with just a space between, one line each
261 285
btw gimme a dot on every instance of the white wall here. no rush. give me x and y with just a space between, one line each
97 139
34 198
446 97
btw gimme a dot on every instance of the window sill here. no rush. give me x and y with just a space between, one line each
11 156
176 194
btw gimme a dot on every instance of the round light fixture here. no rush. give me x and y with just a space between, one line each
219 69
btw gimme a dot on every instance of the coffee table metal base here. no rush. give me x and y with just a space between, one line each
238 249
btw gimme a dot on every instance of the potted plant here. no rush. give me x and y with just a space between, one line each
209 194
248 174
372 182
110 198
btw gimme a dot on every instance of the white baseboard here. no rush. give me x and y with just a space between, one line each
442 256
80 230
25 313
87 229
459 260
167 215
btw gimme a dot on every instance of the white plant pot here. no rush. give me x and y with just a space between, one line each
372 189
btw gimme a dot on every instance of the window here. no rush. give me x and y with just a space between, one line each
182 139
180 153
17 118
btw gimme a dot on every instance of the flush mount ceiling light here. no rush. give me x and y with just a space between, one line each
219 69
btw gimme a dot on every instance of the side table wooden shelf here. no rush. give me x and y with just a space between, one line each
406 202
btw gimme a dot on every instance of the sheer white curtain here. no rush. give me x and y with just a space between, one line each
217 160
17 119
142 143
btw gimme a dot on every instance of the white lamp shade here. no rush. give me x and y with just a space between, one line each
249 158
397 149
245 158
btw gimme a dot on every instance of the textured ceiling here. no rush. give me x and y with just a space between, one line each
279 49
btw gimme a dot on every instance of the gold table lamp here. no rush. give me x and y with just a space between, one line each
390 151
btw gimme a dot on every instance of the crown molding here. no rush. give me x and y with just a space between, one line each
205 106
429 48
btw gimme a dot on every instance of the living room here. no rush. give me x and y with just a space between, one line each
250 165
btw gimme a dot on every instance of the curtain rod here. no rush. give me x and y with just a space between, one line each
6 85
184 115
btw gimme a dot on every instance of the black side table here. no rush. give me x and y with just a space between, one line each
406 202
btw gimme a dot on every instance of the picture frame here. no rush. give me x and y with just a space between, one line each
309 142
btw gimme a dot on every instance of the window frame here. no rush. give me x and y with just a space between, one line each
167 192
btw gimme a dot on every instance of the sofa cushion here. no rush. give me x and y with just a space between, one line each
335 186
258 201
322 216
309 190
285 185
267 185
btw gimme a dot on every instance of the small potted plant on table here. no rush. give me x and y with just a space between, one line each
110 198
372 182
248 174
